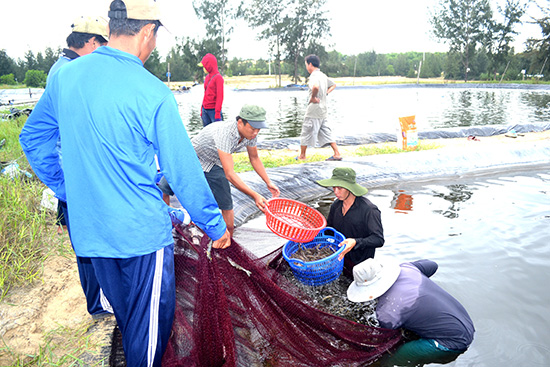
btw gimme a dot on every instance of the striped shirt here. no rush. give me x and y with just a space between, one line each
222 135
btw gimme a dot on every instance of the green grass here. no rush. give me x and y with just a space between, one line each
17 86
26 242
23 225
62 347
526 81
272 159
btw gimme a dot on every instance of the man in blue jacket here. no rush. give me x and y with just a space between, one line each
409 299
88 33
113 117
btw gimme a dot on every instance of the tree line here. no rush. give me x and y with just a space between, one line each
479 39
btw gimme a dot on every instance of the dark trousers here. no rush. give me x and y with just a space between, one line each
88 279
208 116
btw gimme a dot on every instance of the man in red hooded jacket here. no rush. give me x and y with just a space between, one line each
211 109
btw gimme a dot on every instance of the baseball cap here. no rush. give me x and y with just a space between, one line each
255 115
137 9
91 25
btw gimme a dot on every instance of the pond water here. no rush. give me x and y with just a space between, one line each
490 236
362 110
491 239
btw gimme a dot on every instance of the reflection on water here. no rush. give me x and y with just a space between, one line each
359 111
402 202
290 114
455 195
491 239
475 108
539 104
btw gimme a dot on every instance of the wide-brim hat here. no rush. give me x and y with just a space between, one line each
254 115
344 177
372 278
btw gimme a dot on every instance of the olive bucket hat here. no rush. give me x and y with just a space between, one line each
344 177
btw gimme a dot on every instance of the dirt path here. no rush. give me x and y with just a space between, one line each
53 309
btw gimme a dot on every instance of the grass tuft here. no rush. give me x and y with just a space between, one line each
62 347
23 224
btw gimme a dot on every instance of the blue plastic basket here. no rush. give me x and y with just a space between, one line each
321 271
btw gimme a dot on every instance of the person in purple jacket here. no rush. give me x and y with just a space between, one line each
409 299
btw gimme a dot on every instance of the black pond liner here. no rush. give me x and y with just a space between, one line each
299 181
459 132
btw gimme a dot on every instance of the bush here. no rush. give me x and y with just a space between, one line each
484 76
35 78
8 79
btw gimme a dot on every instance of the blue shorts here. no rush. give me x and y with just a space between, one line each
220 187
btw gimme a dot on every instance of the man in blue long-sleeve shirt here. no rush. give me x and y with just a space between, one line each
113 117
87 35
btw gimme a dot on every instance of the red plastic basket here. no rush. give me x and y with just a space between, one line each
293 220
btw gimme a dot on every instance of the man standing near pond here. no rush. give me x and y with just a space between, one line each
88 33
211 108
114 117
315 127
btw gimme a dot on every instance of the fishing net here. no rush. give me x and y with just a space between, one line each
234 309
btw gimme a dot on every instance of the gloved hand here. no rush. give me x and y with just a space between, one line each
179 216
218 119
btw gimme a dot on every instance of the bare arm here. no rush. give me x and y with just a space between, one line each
258 166
314 92
331 88
235 179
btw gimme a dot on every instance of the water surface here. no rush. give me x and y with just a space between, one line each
359 111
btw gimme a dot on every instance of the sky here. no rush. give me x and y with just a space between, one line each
356 26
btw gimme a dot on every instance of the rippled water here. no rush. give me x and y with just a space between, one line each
491 238
376 109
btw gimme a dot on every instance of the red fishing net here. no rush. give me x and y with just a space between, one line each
234 309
